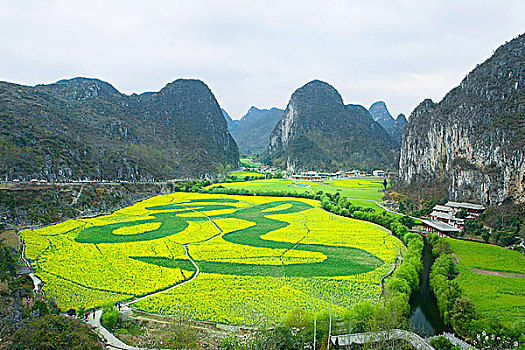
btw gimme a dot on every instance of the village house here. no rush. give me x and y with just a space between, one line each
447 215
473 210
440 228
444 220
312 176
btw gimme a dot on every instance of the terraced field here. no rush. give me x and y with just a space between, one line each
258 257
488 275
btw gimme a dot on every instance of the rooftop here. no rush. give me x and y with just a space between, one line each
442 215
443 208
440 226
465 205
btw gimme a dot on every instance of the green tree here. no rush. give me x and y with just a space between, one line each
462 315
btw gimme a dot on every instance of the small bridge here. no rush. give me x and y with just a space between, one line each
346 341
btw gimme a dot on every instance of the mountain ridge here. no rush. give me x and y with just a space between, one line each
232 123
474 138
380 113
318 131
254 129
398 129
84 128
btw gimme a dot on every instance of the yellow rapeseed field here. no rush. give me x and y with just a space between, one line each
257 257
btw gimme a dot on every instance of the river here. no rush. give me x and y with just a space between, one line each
425 318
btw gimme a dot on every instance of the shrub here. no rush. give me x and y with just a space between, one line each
442 343
462 315
109 316
41 306
7 263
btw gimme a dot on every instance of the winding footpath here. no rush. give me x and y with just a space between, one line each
112 342
197 271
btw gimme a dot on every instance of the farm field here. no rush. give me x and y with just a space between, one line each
352 188
248 162
501 297
257 256
242 174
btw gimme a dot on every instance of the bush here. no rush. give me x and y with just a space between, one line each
110 316
442 343
406 278
41 306
7 263
462 315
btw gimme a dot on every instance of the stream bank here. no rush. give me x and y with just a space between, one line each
425 318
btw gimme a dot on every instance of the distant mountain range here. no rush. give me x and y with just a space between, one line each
85 128
473 139
317 131
380 113
394 127
398 129
253 131
232 123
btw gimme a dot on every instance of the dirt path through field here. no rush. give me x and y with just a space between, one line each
497 273
197 271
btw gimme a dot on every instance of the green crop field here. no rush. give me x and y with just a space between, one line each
249 163
257 257
240 175
501 297
368 189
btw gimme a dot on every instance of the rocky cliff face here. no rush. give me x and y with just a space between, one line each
398 129
475 137
254 130
380 113
317 131
84 128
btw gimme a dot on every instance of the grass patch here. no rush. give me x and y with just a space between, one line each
494 296
240 175
487 256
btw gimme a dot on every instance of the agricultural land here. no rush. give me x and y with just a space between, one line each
362 192
247 260
492 277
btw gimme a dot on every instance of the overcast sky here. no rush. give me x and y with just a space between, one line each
258 52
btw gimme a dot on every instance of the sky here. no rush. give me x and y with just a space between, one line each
259 52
